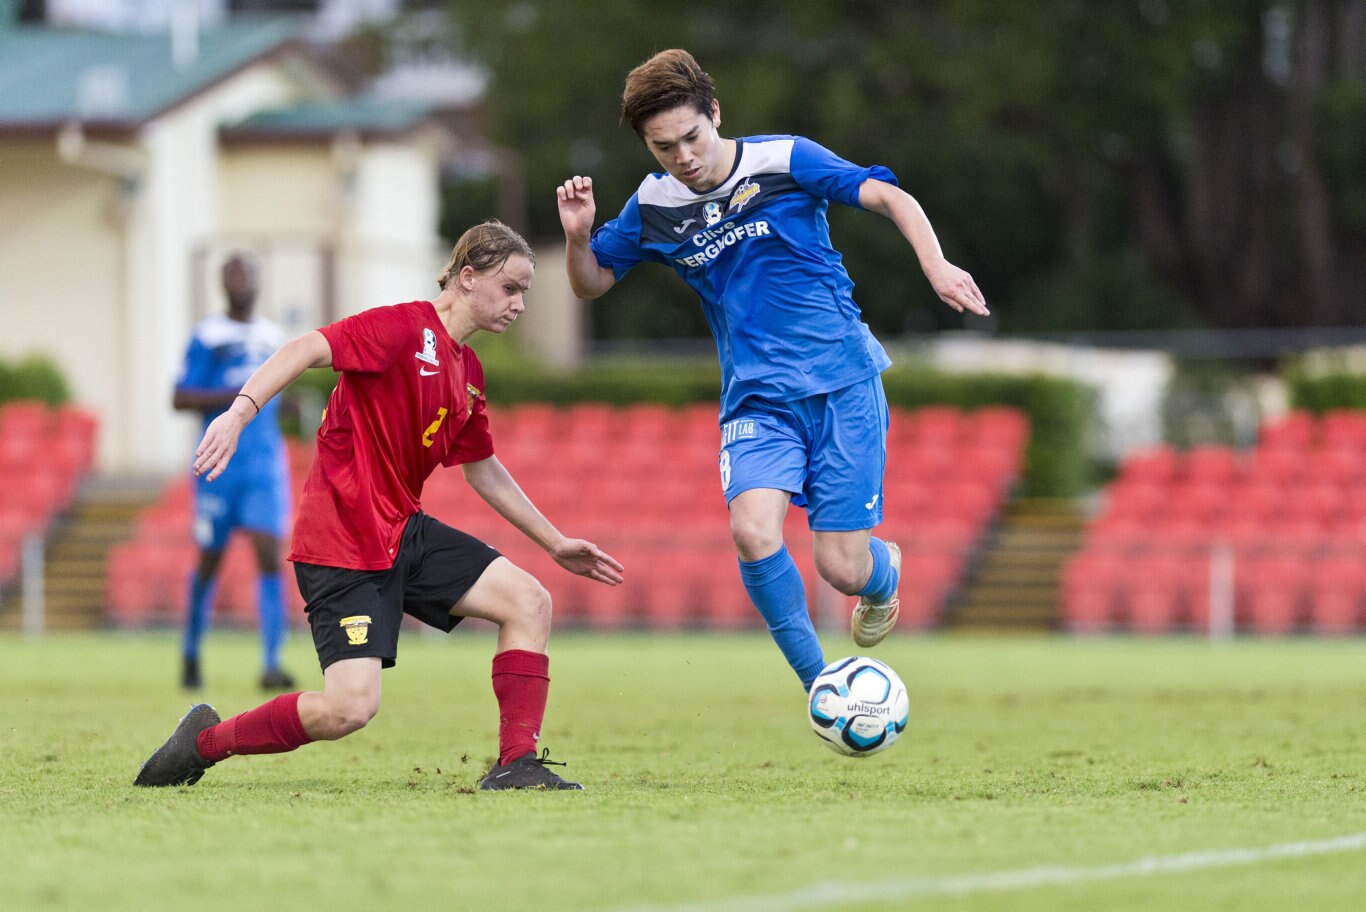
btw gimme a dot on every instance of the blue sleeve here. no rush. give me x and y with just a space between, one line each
617 243
822 173
197 372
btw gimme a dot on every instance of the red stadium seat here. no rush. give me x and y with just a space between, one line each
1153 594
1213 465
1159 465
1344 428
1277 466
1292 431
1344 466
1136 500
1272 590
1337 587
1091 592
602 424
999 427
939 427
25 418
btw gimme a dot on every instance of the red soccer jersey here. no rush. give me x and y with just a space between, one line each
409 399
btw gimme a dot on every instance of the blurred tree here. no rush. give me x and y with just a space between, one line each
1095 166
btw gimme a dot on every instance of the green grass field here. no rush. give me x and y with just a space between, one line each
706 788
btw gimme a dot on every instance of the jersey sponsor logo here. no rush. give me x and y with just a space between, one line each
426 373
712 212
872 503
714 240
357 629
684 227
732 431
743 194
428 352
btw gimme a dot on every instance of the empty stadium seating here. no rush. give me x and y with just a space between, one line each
1291 513
643 483
44 452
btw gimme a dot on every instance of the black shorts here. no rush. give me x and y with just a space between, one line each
357 613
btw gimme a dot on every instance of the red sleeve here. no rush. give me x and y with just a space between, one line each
474 442
372 340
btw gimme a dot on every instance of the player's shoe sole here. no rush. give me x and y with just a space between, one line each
872 621
177 762
527 772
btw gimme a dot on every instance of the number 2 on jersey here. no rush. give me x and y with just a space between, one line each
433 427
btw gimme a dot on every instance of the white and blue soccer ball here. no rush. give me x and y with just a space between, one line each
858 706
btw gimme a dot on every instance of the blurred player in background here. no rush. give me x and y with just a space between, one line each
254 497
410 398
803 415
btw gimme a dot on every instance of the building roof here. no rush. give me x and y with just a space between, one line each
49 77
321 120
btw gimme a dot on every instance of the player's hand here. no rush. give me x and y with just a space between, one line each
220 441
575 200
956 288
587 559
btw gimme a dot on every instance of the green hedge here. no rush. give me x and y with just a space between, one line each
1058 462
34 377
1060 411
1318 387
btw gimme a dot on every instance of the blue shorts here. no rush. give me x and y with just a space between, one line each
250 496
829 451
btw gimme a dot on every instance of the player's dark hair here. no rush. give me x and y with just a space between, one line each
485 248
666 81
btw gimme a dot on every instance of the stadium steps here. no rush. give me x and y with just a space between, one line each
1016 582
77 545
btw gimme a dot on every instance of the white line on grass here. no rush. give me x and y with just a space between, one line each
825 894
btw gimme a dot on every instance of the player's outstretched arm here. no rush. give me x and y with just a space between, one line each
575 201
953 285
492 481
281 369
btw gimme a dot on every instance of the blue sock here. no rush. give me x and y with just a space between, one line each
775 586
197 618
882 583
270 604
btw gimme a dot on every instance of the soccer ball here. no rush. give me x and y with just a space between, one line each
858 706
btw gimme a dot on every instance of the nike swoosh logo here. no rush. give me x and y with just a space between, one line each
684 227
426 373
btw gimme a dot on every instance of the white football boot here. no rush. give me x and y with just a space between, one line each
874 620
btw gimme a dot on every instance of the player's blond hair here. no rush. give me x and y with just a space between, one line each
485 248
666 81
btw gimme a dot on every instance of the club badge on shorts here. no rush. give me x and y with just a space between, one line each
357 629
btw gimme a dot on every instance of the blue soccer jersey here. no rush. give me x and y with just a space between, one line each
222 354
757 250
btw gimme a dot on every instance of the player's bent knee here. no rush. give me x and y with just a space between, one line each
843 575
534 605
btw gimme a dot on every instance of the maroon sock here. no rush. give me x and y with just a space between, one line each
521 681
271 728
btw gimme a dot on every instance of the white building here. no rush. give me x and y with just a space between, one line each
131 163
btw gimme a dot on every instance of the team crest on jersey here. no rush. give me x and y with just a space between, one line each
357 629
428 352
712 212
743 194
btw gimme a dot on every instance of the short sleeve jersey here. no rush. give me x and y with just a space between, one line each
757 250
409 399
222 354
